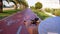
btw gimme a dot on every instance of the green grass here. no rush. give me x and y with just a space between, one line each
40 14
7 13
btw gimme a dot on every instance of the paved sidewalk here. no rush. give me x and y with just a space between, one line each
48 13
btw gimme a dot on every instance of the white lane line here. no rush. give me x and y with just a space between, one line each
19 30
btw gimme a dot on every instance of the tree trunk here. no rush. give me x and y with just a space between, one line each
20 6
1 7
16 7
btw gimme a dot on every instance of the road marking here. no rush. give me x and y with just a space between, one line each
19 30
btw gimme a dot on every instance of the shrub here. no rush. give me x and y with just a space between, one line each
32 7
50 10
57 12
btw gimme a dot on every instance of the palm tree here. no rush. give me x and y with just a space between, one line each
1 6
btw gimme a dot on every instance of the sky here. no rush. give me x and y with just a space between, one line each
46 3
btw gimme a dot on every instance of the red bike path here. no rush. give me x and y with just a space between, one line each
15 23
